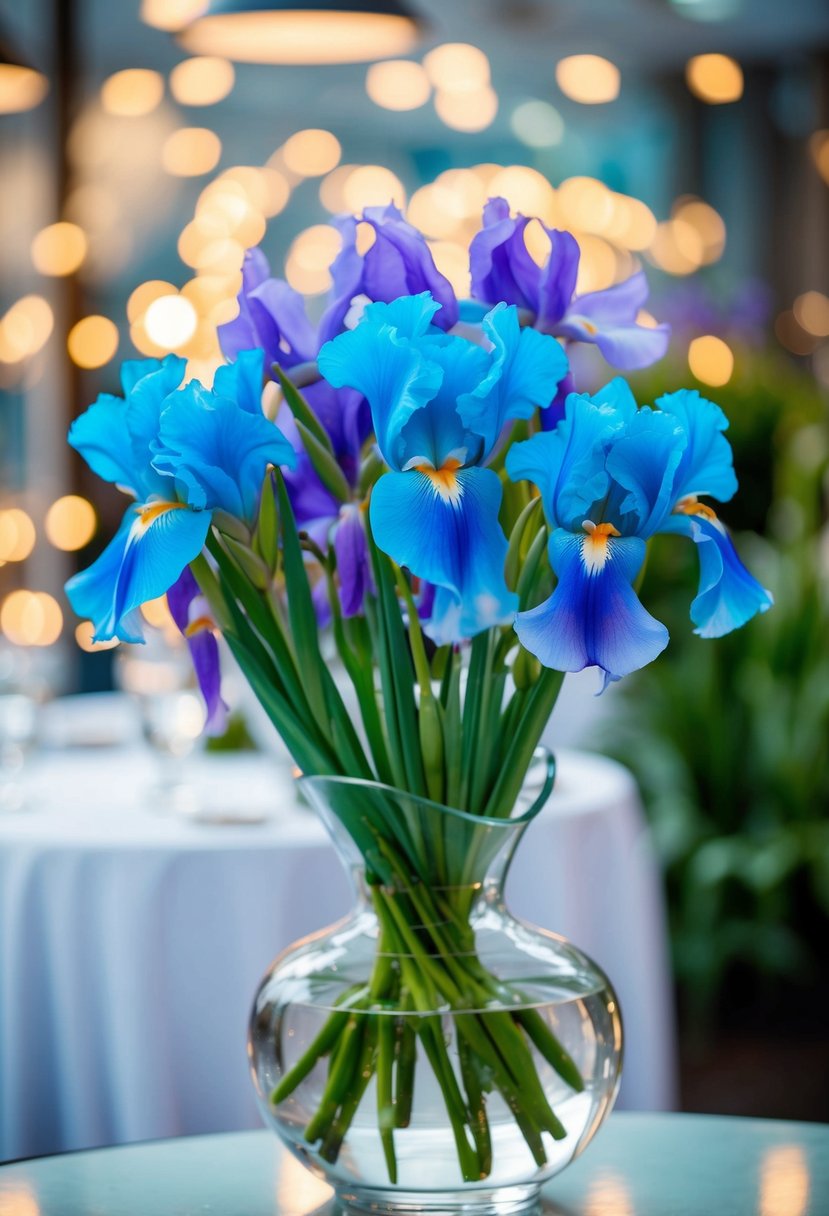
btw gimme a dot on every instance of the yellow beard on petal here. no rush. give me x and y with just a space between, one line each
148 514
199 625
690 506
444 479
595 545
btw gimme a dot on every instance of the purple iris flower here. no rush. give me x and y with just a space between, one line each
272 316
502 269
191 614
398 263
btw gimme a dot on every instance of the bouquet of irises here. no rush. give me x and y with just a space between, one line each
428 494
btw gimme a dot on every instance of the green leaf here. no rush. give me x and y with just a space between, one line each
266 536
301 410
325 465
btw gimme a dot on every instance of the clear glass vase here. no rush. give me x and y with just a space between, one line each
430 1052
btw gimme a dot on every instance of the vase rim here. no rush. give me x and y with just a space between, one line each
541 755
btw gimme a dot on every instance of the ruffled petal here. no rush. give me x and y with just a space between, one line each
379 359
271 317
398 263
607 319
558 279
191 614
707 465
642 462
593 618
114 435
728 594
567 464
242 381
525 370
448 533
500 264
148 553
217 452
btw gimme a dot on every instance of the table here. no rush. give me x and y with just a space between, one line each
639 1165
131 942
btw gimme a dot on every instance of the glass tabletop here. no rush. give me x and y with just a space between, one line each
639 1165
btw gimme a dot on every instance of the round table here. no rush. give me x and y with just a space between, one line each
132 941
639 1165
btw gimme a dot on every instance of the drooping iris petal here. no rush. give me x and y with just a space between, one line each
525 370
398 263
607 318
271 317
444 528
217 452
728 595
593 618
113 435
707 465
353 565
191 614
148 553
558 278
642 462
380 362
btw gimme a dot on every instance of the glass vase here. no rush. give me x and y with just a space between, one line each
430 1052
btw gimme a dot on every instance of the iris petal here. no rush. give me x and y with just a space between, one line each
451 538
500 263
707 464
728 594
271 317
185 602
643 460
392 373
607 318
217 452
141 562
525 370
593 618
242 381
353 566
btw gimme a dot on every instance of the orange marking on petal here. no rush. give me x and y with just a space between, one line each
594 548
690 506
150 513
444 479
199 625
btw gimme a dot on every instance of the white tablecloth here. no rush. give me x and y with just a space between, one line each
131 942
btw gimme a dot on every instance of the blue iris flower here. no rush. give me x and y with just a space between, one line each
610 477
439 404
180 453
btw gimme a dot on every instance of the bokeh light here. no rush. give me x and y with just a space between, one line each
811 311
309 259
715 79
537 124
352 187
84 634
710 360
468 110
398 84
588 79
70 522
311 153
59 249
17 535
707 225
132 93
457 67
92 341
31 618
170 321
202 81
25 329
191 151
21 88
143 295
170 14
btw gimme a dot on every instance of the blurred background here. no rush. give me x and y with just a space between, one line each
141 154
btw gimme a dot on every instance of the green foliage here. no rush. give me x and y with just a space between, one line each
729 739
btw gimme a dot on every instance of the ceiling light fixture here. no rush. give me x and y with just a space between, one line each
302 31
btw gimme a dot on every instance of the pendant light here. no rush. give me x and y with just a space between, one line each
297 32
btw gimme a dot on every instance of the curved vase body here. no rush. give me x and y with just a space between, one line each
430 1051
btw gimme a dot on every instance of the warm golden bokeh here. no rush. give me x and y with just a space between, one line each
202 81
398 84
132 93
191 152
92 341
311 153
715 79
710 360
70 522
468 110
31 618
589 79
17 535
59 249
457 67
